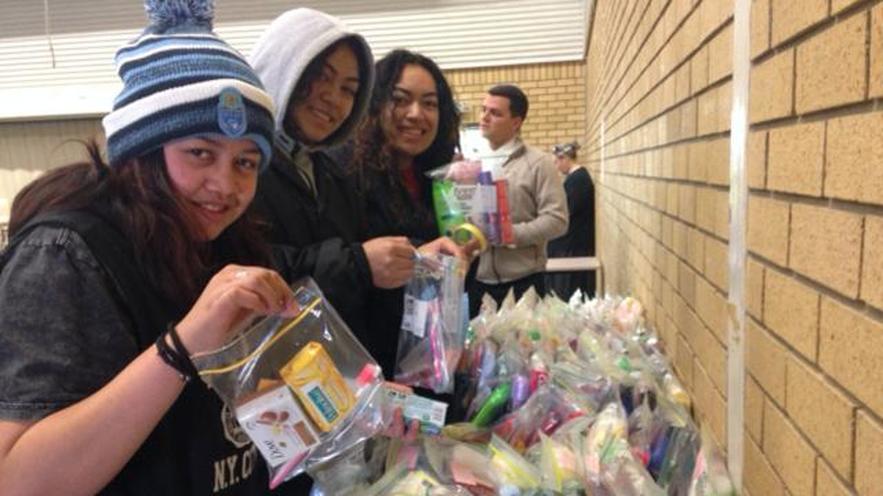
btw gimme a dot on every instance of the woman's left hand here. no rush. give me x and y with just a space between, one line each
445 246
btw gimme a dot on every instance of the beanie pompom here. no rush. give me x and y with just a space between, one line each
170 15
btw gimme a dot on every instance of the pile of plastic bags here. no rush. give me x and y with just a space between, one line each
561 398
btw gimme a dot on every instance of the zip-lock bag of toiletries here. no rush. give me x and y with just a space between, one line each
433 325
302 388
471 200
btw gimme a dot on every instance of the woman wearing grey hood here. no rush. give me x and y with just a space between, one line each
320 76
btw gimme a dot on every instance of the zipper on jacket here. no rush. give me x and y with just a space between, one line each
494 264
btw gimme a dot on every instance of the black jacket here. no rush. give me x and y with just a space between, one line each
579 241
391 211
319 236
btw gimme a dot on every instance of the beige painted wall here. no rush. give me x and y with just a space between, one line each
29 148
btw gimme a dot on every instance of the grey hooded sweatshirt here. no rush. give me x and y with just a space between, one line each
314 217
285 50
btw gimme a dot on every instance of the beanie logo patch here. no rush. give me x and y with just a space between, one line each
231 113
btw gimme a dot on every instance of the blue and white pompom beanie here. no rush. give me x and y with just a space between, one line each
180 80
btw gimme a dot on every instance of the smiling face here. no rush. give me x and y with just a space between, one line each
410 120
215 179
330 97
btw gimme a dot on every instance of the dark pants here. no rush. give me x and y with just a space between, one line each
565 283
499 291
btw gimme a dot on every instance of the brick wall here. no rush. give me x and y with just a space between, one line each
816 201
556 93
659 77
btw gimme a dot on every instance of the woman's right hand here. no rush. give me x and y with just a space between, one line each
391 259
105 429
231 298
464 171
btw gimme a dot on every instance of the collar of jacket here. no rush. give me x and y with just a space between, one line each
283 160
520 149
285 144
288 146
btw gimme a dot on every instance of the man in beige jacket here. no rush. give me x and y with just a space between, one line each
538 205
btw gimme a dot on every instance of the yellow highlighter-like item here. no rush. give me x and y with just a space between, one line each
317 383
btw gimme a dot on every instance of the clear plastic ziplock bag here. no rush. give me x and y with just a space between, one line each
403 480
351 473
303 388
512 469
471 195
710 476
559 466
433 329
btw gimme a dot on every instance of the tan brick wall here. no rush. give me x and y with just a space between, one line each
658 141
820 161
556 92
658 110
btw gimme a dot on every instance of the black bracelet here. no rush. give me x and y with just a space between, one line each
168 356
182 352
176 355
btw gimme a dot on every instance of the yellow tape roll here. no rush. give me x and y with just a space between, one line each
468 231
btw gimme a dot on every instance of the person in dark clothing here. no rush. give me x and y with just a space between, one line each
320 76
118 272
411 128
579 241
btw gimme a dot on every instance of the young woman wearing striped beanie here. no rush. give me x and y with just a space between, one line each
117 271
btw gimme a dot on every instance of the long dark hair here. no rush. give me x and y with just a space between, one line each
370 141
371 151
138 197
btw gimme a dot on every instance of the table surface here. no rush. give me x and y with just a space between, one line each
570 264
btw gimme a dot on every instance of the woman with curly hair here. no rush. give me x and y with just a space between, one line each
412 127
